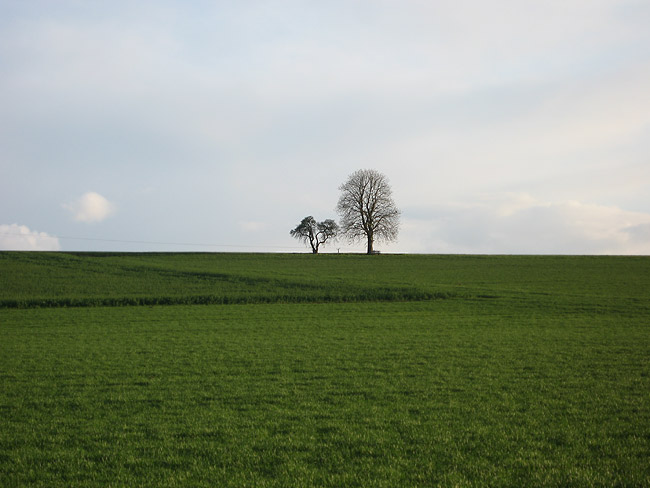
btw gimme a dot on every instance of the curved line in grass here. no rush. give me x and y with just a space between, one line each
387 295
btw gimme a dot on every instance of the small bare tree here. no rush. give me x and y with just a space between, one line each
315 233
367 209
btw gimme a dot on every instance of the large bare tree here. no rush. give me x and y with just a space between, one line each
315 233
367 208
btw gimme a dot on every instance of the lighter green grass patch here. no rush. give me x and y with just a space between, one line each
445 393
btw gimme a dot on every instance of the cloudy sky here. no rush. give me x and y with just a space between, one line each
504 127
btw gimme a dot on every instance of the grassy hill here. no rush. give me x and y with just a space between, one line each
329 370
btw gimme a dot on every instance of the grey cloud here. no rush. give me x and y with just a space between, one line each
533 227
639 233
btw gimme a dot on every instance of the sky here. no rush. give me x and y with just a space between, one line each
503 127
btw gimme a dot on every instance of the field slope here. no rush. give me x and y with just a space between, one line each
329 370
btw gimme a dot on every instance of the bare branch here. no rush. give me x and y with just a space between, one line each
367 209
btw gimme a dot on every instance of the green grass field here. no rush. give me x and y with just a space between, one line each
326 370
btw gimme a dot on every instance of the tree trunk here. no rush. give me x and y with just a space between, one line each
370 244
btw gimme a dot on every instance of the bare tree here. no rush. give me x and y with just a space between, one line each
315 233
367 209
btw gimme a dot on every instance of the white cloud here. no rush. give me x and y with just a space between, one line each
16 237
90 207
519 224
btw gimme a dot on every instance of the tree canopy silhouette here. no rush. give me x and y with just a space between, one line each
315 233
367 208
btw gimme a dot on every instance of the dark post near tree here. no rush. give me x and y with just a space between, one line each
367 208
315 233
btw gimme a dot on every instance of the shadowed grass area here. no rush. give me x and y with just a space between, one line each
110 279
72 280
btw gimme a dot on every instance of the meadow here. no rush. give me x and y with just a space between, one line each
272 370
